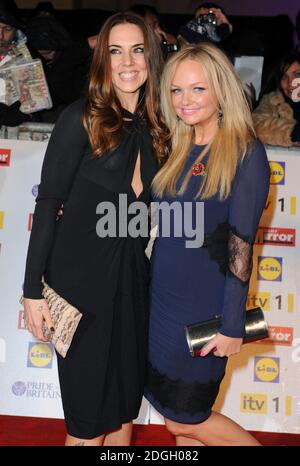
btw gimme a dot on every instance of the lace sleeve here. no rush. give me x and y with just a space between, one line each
239 257
249 194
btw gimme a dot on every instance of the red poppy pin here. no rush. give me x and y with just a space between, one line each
198 169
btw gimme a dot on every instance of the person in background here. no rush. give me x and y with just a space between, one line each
12 41
224 27
66 64
44 9
48 36
203 27
167 41
277 117
151 16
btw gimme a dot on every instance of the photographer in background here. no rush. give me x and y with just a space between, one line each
209 24
151 17
224 27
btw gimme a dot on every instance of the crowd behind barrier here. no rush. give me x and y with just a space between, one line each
27 131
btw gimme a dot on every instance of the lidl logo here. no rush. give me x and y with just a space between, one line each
255 403
276 236
40 355
269 268
266 369
5 157
1 220
277 170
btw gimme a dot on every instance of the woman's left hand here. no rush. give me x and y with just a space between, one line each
222 346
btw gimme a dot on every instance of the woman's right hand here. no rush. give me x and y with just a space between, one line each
36 311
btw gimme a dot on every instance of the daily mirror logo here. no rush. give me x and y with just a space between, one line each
274 236
282 336
5 157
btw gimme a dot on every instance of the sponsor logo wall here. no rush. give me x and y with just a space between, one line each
261 389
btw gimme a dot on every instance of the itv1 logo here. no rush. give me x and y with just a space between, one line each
254 403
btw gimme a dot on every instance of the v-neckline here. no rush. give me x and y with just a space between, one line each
138 156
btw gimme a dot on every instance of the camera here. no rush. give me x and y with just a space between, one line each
168 48
207 18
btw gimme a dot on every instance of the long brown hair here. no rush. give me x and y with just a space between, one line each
103 112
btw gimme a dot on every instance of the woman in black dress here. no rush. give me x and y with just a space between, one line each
107 145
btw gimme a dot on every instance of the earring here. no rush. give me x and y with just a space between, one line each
219 119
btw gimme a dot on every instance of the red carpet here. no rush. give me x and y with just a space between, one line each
25 431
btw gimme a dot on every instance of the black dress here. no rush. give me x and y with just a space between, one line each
102 377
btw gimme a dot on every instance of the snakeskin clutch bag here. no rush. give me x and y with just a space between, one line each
65 318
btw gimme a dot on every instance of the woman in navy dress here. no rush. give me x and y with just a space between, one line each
214 159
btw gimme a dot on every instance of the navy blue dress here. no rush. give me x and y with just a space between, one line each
190 285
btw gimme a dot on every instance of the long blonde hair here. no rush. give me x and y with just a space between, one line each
232 137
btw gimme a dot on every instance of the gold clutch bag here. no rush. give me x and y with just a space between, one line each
65 318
